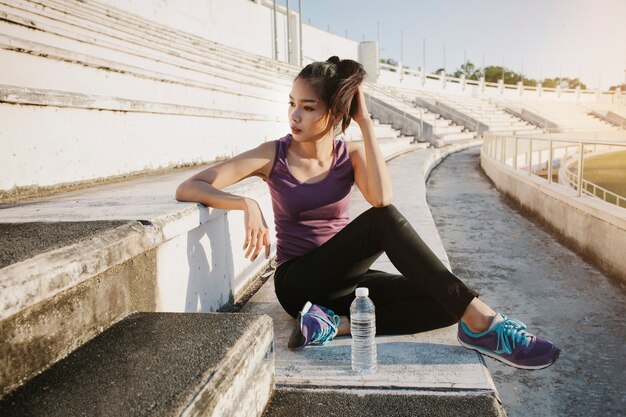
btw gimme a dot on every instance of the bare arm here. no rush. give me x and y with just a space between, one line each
206 187
370 171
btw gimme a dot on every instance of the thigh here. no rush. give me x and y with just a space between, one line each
333 269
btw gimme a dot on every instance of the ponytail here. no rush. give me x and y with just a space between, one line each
335 82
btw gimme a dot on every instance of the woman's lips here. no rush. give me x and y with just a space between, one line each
295 130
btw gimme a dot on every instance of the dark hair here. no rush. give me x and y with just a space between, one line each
335 81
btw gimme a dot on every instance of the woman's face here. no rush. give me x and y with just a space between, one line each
308 114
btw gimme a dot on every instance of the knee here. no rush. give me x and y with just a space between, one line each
386 213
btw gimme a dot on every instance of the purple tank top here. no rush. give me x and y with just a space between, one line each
307 215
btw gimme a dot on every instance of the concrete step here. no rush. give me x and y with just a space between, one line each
443 130
382 130
102 19
159 364
376 403
453 137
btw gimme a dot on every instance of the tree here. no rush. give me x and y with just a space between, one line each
391 62
470 71
564 82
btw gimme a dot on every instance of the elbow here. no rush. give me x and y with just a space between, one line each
181 192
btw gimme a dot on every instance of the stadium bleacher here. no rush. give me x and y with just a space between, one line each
96 95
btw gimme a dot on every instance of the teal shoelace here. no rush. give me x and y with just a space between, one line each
511 332
326 333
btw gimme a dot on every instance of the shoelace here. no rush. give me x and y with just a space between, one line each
326 334
510 333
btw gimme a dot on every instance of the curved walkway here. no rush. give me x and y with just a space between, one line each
521 269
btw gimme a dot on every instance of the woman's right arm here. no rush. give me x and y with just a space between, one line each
205 187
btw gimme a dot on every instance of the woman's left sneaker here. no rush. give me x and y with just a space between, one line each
315 325
508 341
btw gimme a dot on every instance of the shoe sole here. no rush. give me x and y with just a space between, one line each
499 358
297 340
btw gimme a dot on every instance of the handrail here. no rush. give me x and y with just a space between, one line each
415 73
537 155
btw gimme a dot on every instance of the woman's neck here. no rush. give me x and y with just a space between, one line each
319 149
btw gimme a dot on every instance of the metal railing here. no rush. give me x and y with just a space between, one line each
546 156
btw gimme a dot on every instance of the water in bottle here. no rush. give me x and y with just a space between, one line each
363 330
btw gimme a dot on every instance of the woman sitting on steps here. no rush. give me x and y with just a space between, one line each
322 256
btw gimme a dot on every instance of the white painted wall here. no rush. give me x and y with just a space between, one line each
319 45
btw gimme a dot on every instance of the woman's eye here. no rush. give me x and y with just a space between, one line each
307 108
291 103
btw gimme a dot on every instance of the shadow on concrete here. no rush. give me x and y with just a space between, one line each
392 353
210 280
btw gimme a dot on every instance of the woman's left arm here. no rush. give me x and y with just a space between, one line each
370 170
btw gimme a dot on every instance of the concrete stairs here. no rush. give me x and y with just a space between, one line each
495 118
400 109
566 116
159 364
108 294
76 264
124 82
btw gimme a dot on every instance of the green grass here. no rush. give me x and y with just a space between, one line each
608 171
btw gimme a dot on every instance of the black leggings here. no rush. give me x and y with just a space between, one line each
426 296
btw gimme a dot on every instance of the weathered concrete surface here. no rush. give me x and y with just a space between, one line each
30 239
38 336
524 271
431 363
159 365
593 227
315 403
24 284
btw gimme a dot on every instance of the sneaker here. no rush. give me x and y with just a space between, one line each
508 341
315 325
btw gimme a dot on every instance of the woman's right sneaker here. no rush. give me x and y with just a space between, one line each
508 341
315 325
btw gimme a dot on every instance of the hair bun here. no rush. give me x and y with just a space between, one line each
334 60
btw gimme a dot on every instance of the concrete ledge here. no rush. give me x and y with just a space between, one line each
594 228
388 403
159 365
40 335
54 98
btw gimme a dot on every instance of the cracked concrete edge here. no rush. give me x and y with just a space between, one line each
242 382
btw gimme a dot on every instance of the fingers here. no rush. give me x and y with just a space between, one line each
258 241
267 246
248 237
252 245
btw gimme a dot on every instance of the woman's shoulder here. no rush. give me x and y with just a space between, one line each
267 150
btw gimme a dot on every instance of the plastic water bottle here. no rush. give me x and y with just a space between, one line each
363 330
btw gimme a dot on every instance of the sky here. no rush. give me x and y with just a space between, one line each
572 38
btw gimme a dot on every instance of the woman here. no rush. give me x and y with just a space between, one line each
322 256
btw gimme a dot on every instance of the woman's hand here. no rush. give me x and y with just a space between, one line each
257 233
362 115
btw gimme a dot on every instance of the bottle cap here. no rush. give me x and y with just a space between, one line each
362 292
